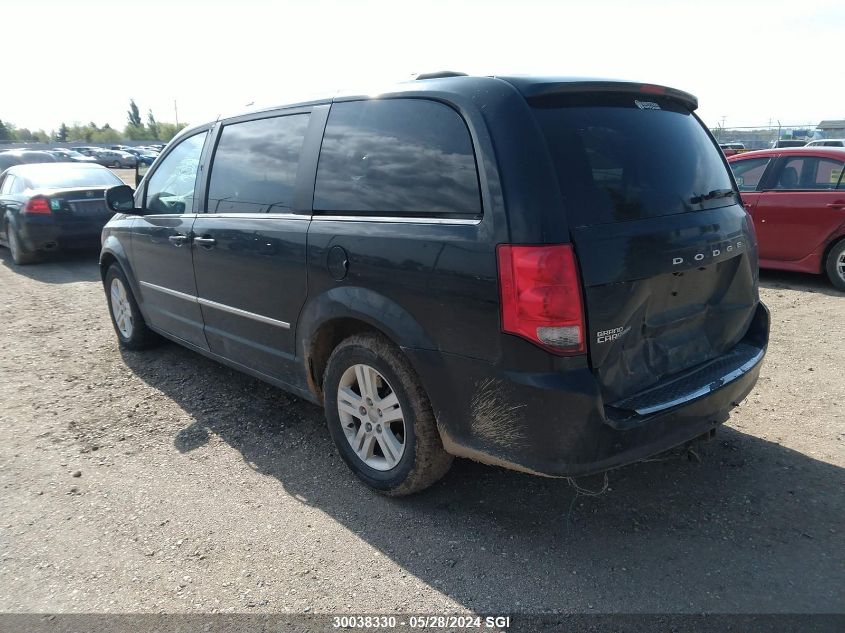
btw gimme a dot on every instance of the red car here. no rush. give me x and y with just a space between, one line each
797 199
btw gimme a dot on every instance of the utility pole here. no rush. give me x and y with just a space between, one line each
176 112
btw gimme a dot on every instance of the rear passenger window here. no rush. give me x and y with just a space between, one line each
828 174
397 157
254 167
809 172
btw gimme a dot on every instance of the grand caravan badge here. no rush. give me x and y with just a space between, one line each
605 336
647 105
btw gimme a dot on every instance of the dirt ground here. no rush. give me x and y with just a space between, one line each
163 482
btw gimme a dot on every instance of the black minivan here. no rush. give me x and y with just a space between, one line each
552 275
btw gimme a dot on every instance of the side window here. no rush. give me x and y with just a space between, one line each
255 164
793 173
171 187
397 157
810 173
7 184
749 172
18 186
828 173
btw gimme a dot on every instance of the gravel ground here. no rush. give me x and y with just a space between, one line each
161 481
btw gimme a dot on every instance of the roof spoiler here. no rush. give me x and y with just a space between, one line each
546 89
440 74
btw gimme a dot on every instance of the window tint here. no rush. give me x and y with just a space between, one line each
254 167
171 187
808 173
749 172
622 157
94 176
828 172
397 157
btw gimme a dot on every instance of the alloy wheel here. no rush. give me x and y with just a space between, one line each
120 308
372 418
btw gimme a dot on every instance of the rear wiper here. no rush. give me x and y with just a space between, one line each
716 193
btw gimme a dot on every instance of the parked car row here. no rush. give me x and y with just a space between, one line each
732 148
127 157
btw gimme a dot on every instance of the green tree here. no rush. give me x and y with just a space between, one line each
41 136
134 114
107 134
167 131
61 135
23 134
152 125
5 132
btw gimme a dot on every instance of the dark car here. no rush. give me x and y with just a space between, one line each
115 158
785 142
8 159
28 156
52 206
797 199
141 156
508 269
70 156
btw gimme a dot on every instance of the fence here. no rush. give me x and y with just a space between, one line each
762 136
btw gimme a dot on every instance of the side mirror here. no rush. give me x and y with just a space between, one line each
121 199
141 170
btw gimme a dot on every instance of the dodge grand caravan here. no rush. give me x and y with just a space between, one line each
514 270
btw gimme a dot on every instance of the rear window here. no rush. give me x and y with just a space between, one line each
623 157
61 178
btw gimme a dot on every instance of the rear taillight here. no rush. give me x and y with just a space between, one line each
37 206
541 296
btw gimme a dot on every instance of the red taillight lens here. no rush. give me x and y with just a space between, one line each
37 205
541 296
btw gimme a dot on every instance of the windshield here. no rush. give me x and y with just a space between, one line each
62 178
624 157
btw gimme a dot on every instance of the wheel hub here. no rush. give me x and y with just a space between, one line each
371 416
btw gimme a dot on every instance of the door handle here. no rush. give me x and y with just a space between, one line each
178 239
206 242
836 205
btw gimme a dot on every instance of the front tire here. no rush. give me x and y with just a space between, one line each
835 265
129 325
380 418
20 255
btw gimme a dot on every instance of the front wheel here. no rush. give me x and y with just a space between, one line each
380 418
835 265
129 325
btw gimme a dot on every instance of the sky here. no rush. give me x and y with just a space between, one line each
82 60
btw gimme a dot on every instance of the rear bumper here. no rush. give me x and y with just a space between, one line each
556 423
39 234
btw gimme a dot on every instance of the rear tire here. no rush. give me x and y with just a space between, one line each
835 265
129 325
410 433
20 255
